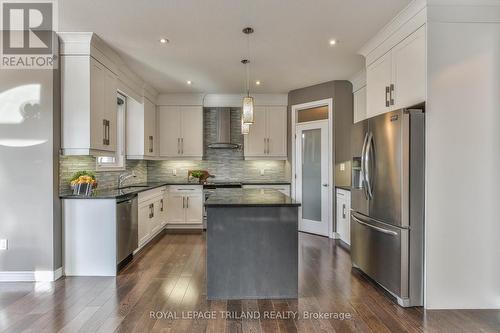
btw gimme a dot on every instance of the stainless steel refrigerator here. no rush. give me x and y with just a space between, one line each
387 218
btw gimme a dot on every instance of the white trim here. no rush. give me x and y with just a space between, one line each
31 276
393 26
294 108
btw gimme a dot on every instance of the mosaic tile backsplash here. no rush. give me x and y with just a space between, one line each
68 165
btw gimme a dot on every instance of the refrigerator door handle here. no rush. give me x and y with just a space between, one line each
363 171
385 231
368 161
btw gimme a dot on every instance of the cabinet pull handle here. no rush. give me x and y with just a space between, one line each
268 146
343 211
265 150
182 146
104 131
178 146
183 202
187 202
150 143
391 97
387 93
161 207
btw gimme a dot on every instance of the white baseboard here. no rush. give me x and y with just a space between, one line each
31 276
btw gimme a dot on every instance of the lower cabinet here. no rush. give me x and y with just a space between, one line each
152 214
184 205
343 215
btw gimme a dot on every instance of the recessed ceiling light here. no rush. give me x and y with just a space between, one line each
164 41
333 42
257 83
189 82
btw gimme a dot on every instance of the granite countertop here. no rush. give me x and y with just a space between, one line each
347 188
112 193
249 198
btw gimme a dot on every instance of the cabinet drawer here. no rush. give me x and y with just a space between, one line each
186 189
151 194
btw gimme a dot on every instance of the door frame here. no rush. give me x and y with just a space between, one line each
331 195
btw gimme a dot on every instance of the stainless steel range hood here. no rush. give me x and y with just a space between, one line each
223 131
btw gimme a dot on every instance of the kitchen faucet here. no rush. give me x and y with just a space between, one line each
124 176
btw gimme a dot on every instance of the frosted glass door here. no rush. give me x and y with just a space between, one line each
312 177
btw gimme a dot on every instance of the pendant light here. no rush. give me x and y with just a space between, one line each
248 103
245 128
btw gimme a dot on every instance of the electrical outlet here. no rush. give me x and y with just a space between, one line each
262 172
342 166
174 172
3 244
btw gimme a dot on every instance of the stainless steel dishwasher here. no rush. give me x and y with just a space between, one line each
126 229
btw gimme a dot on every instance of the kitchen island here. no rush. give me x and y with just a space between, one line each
252 244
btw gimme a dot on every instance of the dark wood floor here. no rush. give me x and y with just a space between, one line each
169 278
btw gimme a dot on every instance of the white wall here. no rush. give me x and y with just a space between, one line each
463 161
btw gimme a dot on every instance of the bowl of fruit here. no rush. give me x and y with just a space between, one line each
83 182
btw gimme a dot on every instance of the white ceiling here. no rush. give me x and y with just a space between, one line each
289 48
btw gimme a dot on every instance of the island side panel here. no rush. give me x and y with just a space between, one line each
252 252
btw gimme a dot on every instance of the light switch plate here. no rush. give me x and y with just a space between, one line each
342 166
262 172
3 244
174 172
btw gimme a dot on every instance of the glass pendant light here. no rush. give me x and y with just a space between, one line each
248 103
245 128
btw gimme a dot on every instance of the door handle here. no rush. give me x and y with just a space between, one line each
385 231
343 211
363 165
391 97
387 96
369 161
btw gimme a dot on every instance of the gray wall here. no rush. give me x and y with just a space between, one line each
341 93
30 210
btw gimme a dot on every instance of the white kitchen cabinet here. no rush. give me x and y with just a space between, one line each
185 205
398 78
142 141
409 70
89 106
181 131
267 138
343 215
285 189
378 81
359 104
151 213
144 225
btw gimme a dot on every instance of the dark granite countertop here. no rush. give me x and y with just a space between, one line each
264 183
117 193
347 188
112 193
249 198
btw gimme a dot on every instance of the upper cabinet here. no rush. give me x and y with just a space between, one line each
398 78
359 104
142 141
180 130
268 134
89 93
91 76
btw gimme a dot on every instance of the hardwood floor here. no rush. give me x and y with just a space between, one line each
168 279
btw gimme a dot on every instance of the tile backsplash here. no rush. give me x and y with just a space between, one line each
68 165
223 170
